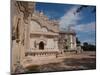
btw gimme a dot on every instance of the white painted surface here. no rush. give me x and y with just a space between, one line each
34 26
50 44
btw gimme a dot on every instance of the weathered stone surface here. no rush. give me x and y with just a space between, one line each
20 12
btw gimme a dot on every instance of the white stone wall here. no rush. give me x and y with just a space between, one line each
32 44
36 27
56 45
50 44
72 42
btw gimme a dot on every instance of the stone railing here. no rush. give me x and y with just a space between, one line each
41 53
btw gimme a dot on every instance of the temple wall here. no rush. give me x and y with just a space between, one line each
72 42
19 22
49 45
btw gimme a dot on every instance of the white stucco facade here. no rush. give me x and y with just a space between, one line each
41 34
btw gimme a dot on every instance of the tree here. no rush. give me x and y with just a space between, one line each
93 9
85 44
78 41
88 47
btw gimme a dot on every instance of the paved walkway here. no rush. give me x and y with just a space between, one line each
30 60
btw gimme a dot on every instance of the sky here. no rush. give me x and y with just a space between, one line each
83 22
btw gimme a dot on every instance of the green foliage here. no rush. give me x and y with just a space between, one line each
88 47
78 41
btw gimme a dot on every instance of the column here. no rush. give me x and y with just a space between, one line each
71 41
74 41
56 43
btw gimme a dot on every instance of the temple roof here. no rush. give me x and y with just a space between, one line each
68 32
52 25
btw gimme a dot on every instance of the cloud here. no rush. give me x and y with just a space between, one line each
70 18
86 32
90 41
85 27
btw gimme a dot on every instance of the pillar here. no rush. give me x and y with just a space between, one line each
71 41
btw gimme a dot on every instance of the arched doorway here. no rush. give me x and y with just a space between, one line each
41 45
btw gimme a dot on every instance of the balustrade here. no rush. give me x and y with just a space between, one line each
41 53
